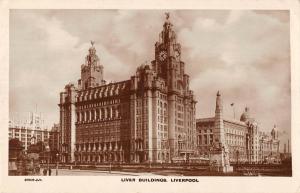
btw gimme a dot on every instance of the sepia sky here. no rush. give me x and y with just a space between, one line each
244 54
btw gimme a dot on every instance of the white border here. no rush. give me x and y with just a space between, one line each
114 184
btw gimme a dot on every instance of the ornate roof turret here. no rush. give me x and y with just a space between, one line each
91 71
92 58
246 115
167 35
167 25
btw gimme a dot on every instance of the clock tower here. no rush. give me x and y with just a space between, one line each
167 63
180 99
91 71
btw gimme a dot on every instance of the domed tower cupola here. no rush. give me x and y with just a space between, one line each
92 58
168 54
245 116
91 71
168 35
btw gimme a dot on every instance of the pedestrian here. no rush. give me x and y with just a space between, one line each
49 171
45 172
37 171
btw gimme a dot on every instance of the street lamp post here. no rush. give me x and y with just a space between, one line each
109 159
57 164
48 160
237 157
47 148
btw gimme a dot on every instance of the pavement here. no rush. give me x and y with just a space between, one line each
76 172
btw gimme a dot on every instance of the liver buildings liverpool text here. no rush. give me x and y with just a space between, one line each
148 118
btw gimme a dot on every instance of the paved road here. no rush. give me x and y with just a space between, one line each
163 172
66 172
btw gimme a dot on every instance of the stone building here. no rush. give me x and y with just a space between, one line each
54 138
27 130
147 118
269 146
243 138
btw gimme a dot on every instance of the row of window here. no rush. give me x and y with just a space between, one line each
112 137
205 139
139 103
179 129
234 142
206 131
234 131
162 135
162 104
103 103
139 126
205 125
97 114
140 111
104 92
100 132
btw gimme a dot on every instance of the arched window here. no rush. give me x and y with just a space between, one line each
89 113
102 113
86 115
108 112
82 118
113 112
97 114
92 115
146 156
118 111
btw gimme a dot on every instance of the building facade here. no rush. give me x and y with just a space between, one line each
28 130
243 138
147 118
54 138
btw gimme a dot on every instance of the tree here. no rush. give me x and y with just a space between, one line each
36 148
15 148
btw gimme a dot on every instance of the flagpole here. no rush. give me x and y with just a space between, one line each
233 109
233 112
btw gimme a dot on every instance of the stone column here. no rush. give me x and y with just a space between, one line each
72 94
219 125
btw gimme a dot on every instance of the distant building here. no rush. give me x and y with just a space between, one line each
286 156
269 146
148 118
243 138
54 138
28 131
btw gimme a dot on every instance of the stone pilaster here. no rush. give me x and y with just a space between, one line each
149 125
171 124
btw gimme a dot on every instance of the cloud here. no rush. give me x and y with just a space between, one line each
37 68
246 57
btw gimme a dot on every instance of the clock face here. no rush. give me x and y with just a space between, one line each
162 55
